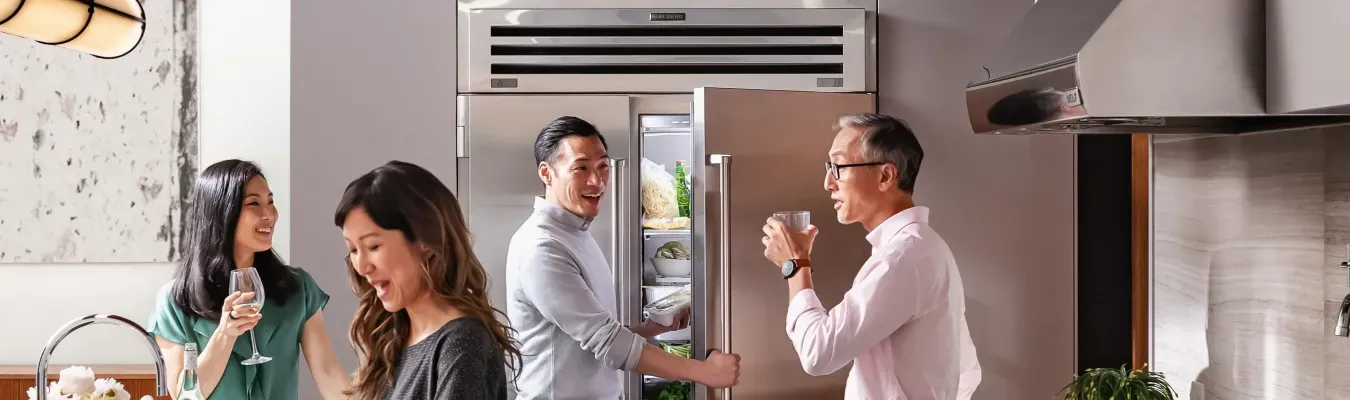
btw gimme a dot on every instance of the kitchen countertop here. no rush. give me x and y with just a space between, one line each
115 371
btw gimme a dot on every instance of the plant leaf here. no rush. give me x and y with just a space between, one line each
1118 384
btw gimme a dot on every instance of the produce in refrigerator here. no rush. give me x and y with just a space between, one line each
658 192
682 350
673 250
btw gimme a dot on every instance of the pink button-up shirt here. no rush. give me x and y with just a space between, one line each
902 324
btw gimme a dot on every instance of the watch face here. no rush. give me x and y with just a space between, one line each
788 267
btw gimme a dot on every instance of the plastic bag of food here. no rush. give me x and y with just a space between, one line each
666 223
658 192
663 311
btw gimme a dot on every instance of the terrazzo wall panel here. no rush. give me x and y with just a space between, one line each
97 156
1249 232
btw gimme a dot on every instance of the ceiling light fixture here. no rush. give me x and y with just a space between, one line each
101 28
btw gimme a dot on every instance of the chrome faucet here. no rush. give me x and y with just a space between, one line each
1343 318
161 385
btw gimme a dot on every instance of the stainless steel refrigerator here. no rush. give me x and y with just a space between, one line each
749 153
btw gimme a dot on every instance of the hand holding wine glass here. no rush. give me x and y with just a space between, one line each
236 319
246 280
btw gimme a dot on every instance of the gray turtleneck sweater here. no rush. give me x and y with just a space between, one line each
560 297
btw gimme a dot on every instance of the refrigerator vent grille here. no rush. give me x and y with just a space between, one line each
709 50
664 51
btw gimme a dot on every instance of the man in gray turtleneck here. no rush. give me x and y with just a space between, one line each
559 290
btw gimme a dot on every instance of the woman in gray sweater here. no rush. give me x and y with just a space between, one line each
424 326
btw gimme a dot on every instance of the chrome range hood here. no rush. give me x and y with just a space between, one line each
1306 55
1133 66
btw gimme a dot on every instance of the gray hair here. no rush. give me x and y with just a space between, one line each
889 140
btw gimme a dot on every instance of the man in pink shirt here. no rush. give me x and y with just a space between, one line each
902 324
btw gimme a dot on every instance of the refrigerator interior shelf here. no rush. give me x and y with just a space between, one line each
668 133
665 233
672 281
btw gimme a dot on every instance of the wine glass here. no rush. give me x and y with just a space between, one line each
246 280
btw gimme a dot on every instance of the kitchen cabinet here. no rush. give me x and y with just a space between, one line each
139 380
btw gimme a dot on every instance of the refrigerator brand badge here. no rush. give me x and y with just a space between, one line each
503 83
1072 98
665 17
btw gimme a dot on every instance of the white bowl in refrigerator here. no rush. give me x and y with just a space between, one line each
669 267
683 334
663 317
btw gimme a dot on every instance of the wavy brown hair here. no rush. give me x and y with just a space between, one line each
407 198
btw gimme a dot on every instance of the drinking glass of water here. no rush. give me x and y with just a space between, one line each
246 280
794 220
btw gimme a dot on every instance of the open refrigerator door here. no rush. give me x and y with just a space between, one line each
667 251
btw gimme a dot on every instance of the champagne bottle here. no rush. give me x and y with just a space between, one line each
188 388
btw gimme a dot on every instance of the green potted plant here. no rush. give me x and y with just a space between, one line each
1119 384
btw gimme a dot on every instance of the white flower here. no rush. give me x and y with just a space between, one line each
53 393
76 380
109 389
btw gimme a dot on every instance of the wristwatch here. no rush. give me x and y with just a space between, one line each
790 267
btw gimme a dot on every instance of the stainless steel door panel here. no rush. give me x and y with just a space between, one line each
498 178
771 146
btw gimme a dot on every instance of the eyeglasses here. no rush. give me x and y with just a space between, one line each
832 168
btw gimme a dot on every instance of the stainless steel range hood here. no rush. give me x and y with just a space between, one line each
1306 55
1133 66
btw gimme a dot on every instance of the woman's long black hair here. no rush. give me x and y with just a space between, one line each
202 280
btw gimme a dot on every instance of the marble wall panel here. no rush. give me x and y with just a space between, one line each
95 154
1248 234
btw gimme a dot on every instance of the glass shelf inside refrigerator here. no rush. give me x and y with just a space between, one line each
650 133
651 233
672 281
665 125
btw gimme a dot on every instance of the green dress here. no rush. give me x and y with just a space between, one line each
278 334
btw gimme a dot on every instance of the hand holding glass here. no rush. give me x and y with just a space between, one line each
797 221
246 280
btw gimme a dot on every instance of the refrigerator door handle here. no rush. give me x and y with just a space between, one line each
723 161
617 249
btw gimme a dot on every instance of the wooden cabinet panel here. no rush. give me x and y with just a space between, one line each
1141 204
17 389
139 380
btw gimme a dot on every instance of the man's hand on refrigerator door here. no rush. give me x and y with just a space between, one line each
720 370
782 244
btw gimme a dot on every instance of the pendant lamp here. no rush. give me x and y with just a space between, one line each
101 28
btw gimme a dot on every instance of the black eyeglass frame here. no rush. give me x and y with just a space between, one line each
831 167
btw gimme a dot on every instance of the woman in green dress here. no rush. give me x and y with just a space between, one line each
229 226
